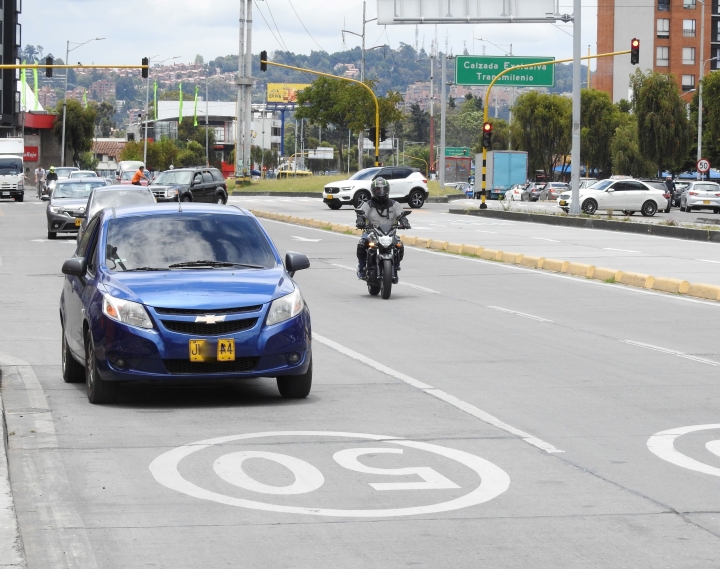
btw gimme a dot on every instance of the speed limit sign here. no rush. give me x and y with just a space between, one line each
703 166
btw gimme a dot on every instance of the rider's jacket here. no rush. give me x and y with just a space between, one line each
376 213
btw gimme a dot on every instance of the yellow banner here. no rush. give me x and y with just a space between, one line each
284 92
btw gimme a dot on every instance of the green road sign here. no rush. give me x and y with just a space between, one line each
481 70
457 152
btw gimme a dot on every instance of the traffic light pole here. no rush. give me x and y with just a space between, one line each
483 192
377 105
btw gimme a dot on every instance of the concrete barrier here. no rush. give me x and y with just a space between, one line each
674 286
438 245
511 258
490 254
471 250
603 274
531 262
707 291
635 279
555 265
454 248
580 270
410 241
420 242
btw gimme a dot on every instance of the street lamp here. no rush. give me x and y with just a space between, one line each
147 102
67 72
700 108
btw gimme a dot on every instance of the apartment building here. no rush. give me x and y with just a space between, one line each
669 32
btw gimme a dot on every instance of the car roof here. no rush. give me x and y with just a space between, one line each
83 179
176 207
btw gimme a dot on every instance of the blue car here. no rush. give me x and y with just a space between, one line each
182 291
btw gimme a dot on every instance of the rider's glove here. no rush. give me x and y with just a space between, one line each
360 223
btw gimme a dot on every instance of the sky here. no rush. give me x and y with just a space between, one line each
163 29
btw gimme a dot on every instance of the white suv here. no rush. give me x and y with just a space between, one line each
407 185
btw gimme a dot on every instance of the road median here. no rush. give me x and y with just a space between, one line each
579 270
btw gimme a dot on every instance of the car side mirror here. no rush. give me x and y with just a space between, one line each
611 189
75 267
296 262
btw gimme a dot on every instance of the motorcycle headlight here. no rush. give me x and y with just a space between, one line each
285 307
385 240
171 193
56 209
126 311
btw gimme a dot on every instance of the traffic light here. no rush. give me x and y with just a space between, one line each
263 60
383 134
372 131
635 51
487 135
48 70
145 69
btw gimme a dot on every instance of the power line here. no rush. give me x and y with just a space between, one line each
282 43
311 36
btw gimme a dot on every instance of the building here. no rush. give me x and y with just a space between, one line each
10 40
103 90
107 151
669 32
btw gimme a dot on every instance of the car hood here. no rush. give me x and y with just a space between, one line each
200 289
69 204
348 184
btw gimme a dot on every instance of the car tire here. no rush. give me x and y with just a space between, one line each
589 206
416 199
220 199
99 391
360 198
52 235
72 371
186 199
20 199
334 206
649 209
296 386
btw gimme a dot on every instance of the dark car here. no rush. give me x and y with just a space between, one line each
190 185
114 196
200 292
533 190
66 208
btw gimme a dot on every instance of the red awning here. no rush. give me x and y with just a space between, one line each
39 120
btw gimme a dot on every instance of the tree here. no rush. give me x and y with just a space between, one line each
541 126
711 118
79 127
599 120
126 89
192 155
199 59
625 150
418 123
662 119
104 120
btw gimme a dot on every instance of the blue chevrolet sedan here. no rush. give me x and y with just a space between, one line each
182 291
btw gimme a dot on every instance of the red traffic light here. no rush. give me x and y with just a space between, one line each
487 127
635 51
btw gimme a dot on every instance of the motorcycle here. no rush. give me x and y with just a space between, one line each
48 190
383 250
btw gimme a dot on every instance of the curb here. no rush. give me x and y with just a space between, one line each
639 280
595 223
12 555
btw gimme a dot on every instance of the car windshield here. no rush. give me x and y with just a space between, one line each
601 185
117 198
75 190
10 166
191 239
366 174
169 178
127 175
64 172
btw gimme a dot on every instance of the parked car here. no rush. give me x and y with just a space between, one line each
407 185
660 186
518 192
628 196
83 174
66 207
113 196
552 190
587 182
700 195
190 185
153 293
533 189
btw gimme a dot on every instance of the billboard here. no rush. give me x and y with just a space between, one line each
284 92
464 11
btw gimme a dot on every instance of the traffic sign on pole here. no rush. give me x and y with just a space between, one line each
703 166
481 70
457 151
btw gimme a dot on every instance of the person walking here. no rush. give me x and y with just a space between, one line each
39 180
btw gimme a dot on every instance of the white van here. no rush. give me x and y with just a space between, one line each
127 165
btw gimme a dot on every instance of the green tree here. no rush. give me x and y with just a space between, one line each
133 150
79 127
418 123
663 136
711 119
625 150
125 89
104 120
541 126
599 120
192 155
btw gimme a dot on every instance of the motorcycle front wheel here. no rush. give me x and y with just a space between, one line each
386 283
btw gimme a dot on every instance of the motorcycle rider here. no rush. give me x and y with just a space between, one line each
670 186
373 212
51 176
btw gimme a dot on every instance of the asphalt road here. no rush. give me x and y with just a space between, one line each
694 261
523 407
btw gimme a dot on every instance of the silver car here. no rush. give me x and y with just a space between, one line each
701 195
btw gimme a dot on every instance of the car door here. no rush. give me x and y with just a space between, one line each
401 184
73 289
613 197
636 194
208 186
197 189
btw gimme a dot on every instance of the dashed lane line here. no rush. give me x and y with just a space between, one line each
621 250
521 314
671 353
707 261
545 239
439 394
418 287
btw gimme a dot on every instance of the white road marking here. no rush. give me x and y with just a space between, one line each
422 288
662 444
707 261
481 231
545 239
298 238
621 250
343 267
494 480
522 314
454 401
671 352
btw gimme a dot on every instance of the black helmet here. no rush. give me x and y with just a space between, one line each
380 189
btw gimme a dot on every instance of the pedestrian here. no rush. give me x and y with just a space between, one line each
139 175
670 186
39 180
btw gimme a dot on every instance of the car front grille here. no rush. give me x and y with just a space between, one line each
332 190
190 311
202 329
186 367
159 193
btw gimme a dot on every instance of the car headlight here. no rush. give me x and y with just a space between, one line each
126 311
81 210
346 189
56 209
171 193
285 307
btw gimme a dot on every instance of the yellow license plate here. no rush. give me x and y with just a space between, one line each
563 202
706 202
202 351
329 197
78 221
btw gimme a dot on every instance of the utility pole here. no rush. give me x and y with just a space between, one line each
432 108
702 71
443 112
248 90
577 85
207 124
241 76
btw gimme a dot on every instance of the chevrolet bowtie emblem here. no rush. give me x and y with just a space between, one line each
210 319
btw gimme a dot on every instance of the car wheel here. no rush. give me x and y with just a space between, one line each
296 386
566 209
360 198
688 209
649 208
52 235
20 199
185 199
416 199
72 371
589 206
220 199
334 205
99 391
